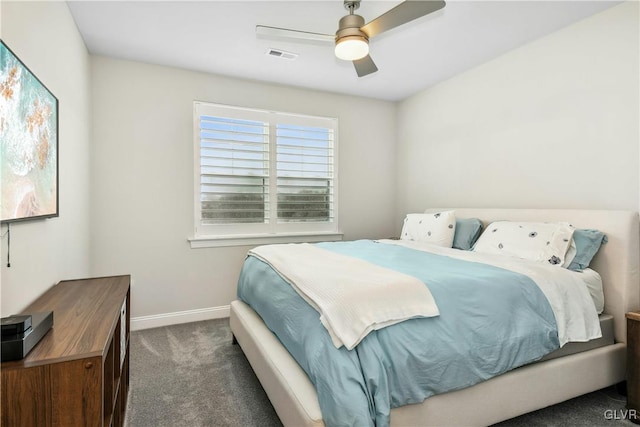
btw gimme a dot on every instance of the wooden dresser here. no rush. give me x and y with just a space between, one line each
78 374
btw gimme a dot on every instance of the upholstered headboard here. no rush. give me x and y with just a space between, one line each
618 261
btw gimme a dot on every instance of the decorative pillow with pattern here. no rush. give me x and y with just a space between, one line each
436 228
542 242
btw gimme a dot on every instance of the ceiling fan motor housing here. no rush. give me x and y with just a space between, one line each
349 26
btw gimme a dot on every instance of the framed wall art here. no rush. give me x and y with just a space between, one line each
28 143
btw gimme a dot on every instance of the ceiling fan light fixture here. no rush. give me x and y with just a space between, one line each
352 37
351 48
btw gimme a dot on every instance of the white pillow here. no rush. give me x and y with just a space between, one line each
594 283
571 253
542 242
437 228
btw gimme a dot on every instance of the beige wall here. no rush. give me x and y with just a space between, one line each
142 177
553 124
44 36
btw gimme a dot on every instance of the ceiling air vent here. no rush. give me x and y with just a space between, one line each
277 53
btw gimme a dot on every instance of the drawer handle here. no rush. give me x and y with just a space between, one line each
88 365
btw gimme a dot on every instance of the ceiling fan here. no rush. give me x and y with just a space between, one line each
352 38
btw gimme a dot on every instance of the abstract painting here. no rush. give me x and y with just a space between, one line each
28 143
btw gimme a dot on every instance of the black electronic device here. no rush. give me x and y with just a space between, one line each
15 324
16 346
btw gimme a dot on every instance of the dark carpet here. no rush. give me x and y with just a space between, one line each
191 375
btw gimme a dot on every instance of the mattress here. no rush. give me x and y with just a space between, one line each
606 325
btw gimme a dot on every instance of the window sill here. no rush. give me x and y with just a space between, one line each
261 239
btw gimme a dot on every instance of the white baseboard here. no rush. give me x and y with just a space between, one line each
166 319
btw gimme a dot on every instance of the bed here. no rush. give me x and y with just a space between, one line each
524 389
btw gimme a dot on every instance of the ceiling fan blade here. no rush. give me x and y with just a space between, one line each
263 30
401 14
365 66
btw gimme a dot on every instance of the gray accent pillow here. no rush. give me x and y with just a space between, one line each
467 232
588 243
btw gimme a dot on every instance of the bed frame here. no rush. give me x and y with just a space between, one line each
514 393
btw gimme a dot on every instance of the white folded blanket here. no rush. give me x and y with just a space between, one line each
353 297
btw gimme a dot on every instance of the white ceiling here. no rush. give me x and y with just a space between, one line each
219 37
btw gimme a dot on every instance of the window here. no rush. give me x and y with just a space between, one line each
263 173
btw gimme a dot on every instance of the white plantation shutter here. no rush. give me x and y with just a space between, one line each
234 170
304 173
263 173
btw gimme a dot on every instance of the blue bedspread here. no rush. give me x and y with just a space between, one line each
491 320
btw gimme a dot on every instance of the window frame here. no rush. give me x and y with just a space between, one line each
210 235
